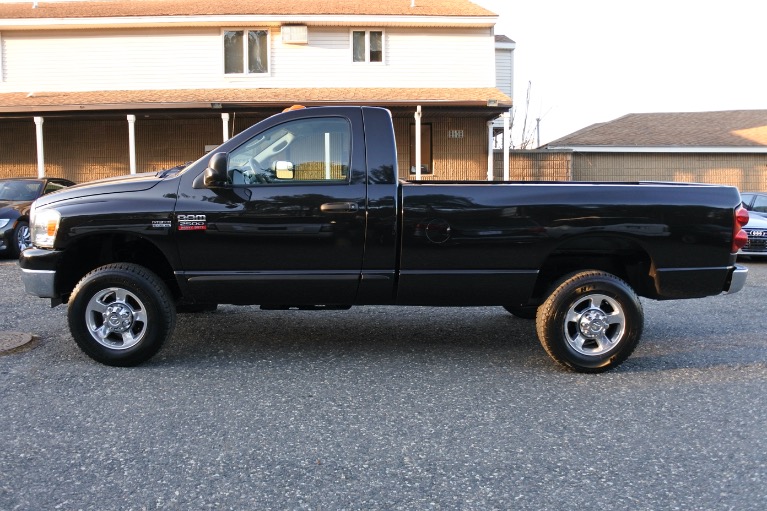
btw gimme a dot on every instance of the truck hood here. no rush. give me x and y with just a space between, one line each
122 184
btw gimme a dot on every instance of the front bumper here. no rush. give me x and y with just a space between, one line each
6 237
39 272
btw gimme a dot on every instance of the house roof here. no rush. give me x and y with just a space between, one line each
734 129
41 102
146 8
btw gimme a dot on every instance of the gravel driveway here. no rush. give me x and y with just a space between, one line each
387 408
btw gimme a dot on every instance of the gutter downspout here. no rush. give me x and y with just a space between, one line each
40 148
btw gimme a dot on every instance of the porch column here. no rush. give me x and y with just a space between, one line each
418 143
225 124
489 150
506 145
40 150
132 142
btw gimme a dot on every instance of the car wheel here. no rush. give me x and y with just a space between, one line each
22 239
522 311
121 314
591 321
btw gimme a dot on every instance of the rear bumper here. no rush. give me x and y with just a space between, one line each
737 279
679 283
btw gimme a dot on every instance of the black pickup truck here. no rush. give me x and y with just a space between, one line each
304 210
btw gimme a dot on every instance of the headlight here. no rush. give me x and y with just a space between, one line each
4 222
45 225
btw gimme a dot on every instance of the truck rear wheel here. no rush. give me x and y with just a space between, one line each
591 321
121 314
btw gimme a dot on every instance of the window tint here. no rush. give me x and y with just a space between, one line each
52 187
19 190
305 150
760 204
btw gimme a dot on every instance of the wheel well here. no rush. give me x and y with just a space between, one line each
630 263
95 251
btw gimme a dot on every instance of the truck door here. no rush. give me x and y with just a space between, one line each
288 226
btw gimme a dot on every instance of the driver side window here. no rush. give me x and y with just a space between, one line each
305 150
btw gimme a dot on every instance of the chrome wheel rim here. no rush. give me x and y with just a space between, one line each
116 318
23 238
594 324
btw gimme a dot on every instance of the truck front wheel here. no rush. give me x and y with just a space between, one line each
121 314
591 321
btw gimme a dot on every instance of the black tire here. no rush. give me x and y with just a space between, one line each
121 314
591 322
21 239
522 311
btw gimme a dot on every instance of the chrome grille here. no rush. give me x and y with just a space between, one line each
755 244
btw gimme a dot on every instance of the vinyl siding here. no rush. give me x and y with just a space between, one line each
192 58
115 60
504 71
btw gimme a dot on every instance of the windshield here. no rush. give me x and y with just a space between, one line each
19 190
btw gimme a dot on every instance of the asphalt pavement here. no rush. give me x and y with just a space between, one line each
387 408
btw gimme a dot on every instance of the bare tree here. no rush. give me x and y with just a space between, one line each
528 135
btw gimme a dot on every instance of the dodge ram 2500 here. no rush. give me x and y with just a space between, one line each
305 210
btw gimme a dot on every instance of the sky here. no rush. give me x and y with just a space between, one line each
591 61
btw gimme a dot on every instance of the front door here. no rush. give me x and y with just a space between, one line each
289 226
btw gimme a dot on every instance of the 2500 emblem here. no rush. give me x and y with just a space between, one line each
192 223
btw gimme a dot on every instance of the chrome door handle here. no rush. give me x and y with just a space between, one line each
339 207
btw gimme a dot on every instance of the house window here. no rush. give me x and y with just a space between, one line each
246 52
367 45
427 166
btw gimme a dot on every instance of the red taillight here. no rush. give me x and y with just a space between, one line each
739 236
741 216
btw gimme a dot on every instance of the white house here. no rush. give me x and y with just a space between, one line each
92 89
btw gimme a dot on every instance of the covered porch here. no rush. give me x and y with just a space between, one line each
85 136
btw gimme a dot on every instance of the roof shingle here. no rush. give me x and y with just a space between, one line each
124 8
193 98
732 128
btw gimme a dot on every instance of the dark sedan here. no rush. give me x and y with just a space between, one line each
16 197
755 202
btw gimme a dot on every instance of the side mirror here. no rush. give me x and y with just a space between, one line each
283 169
215 174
